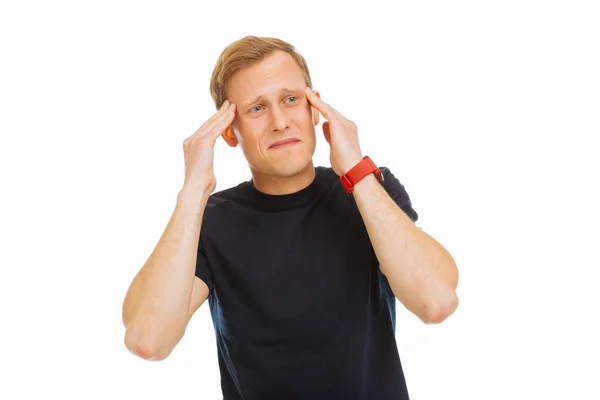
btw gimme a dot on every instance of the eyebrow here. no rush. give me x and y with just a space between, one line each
282 90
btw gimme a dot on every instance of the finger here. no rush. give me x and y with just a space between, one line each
220 127
225 107
222 110
229 112
324 108
327 132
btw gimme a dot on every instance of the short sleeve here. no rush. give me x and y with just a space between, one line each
202 269
398 193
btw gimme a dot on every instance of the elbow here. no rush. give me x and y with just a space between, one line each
438 310
146 347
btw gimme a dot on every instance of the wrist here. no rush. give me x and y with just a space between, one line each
192 195
362 170
351 163
367 184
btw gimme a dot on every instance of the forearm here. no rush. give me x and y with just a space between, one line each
421 273
156 307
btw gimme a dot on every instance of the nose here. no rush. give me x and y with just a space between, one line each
280 121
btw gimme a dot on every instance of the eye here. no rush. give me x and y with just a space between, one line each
255 109
293 97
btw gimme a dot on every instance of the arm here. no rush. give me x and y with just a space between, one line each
165 292
421 273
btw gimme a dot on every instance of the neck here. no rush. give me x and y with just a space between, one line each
281 185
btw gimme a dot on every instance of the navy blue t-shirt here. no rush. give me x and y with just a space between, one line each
299 306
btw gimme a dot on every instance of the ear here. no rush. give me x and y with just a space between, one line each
229 137
315 112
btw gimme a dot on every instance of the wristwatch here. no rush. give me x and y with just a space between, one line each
364 168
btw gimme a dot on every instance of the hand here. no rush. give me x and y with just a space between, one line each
198 150
340 133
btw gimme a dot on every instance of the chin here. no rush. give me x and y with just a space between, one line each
288 164
290 171
292 166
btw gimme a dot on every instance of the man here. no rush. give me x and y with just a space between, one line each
301 265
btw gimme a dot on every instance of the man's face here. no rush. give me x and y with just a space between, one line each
270 107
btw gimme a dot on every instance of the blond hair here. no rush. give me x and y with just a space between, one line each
244 53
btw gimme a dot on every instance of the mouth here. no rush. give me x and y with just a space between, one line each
284 143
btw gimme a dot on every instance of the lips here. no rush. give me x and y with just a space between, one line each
282 143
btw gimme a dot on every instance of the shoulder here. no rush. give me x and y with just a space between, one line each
225 197
398 192
390 181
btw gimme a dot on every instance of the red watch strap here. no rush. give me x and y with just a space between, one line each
364 168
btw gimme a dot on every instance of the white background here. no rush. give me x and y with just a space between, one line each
487 112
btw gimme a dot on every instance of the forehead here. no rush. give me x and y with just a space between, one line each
276 71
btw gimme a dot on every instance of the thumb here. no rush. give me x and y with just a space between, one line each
327 132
